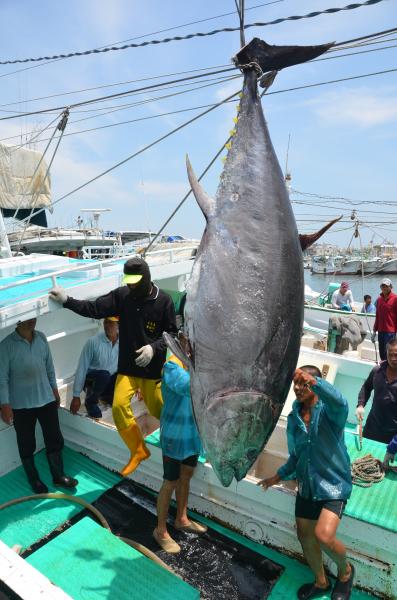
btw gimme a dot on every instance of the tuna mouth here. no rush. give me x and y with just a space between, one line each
237 426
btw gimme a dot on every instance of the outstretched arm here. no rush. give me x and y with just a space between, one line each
308 239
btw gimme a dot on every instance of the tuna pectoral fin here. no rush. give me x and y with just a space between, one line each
205 202
178 348
307 240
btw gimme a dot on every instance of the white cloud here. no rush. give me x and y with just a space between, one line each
361 107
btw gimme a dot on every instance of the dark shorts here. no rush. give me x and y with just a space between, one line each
307 508
172 466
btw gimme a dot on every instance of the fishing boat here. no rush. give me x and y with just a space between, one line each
350 266
326 264
371 265
261 521
390 266
318 310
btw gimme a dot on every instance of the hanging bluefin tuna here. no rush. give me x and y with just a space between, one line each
244 307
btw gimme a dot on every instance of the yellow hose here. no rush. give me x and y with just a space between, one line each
52 496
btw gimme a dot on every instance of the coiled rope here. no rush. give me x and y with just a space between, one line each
367 471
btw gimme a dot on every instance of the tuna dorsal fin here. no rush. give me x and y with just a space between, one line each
176 348
205 202
307 240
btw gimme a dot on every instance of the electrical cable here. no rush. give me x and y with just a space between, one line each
144 35
336 47
213 105
118 95
301 87
138 152
197 34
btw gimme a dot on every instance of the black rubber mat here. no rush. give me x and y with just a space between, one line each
213 563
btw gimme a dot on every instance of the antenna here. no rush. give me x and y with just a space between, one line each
95 214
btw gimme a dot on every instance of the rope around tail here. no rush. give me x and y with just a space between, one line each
366 471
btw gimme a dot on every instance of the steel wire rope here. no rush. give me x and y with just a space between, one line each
142 36
267 94
61 126
35 135
292 89
337 48
240 11
198 34
135 104
147 147
118 95
33 176
107 85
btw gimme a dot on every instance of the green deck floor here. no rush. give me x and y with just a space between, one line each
377 504
88 562
295 573
28 523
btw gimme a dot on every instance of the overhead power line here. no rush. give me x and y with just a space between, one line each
321 83
367 40
194 35
118 95
144 149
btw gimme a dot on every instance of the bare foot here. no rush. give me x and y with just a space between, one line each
347 574
182 522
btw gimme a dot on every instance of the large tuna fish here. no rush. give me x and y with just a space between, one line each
244 305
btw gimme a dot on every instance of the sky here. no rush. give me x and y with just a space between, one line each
342 136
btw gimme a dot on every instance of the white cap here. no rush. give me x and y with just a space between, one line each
386 281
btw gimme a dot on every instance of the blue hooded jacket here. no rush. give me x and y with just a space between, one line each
179 437
318 456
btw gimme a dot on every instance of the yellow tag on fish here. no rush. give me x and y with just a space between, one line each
228 145
235 120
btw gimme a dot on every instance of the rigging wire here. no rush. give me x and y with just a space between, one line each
197 34
138 152
375 36
144 35
213 105
128 92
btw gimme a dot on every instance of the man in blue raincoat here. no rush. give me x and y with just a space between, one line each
319 461
181 448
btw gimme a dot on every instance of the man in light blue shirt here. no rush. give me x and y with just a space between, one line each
29 393
97 369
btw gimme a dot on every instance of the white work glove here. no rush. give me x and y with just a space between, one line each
58 294
373 337
389 458
360 410
145 356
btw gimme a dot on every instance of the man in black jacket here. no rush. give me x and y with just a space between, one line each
144 313
381 423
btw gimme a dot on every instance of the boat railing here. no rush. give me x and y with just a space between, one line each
99 266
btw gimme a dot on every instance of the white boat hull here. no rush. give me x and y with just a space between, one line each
318 317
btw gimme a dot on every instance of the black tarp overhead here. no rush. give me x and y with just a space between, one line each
38 216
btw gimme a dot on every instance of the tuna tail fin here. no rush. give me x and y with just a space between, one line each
174 344
205 202
307 240
274 58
